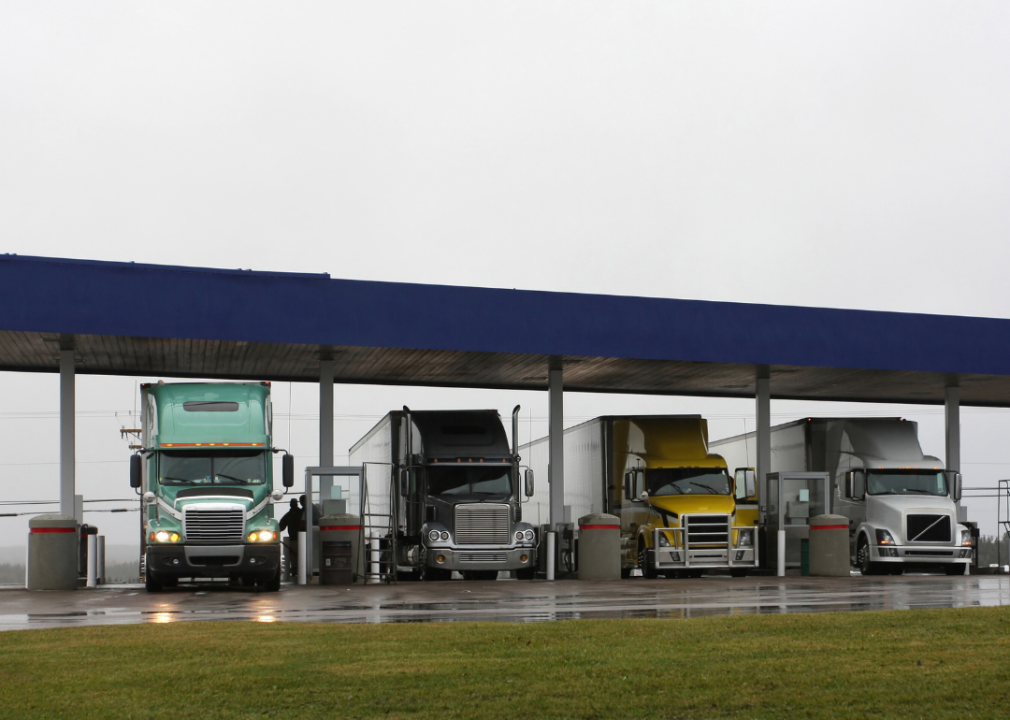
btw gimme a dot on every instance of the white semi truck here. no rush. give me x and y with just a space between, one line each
900 503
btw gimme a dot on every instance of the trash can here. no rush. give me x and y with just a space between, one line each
341 559
829 545
53 552
599 547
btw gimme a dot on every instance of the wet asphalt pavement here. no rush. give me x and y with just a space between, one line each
507 601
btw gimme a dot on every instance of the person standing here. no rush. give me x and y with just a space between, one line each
292 522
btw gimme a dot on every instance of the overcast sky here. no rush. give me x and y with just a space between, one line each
848 154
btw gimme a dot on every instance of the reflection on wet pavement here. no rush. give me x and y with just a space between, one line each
537 601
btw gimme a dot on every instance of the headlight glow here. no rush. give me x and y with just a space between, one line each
161 536
266 535
966 537
174 537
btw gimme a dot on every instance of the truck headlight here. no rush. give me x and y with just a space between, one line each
884 538
745 538
262 536
445 535
519 535
664 541
433 535
164 536
529 535
966 537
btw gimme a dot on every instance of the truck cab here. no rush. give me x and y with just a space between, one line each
456 493
678 514
901 515
206 477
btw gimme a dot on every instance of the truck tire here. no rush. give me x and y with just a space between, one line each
152 583
956 569
529 573
648 571
273 583
863 558
738 572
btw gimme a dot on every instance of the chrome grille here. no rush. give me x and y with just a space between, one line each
213 525
927 528
482 524
707 530
482 557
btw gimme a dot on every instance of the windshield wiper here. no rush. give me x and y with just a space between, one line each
229 477
186 480
707 487
917 490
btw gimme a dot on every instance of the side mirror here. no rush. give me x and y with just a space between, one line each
629 490
745 480
855 485
528 482
136 470
288 470
954 478
404 482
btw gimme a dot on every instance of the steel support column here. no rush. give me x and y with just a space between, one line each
952 415
762 465
556 444
67 449
325 426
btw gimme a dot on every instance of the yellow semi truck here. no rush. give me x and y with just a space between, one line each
676 500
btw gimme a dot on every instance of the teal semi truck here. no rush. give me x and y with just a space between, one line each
205 478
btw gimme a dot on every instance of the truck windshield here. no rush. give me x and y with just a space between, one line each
469 481
906 482
687 481
223 467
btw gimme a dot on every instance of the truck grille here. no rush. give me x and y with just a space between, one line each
482 557
214 526
707 530
928 528
482 524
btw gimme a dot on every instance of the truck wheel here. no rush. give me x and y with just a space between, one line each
273 583
625 573
152 583
648 571
896 568
529 573
863 558
738 572
956 569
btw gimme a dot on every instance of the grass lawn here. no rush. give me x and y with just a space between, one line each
907 664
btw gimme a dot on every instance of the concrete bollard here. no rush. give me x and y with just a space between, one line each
52 552
599 547
92 577
829 546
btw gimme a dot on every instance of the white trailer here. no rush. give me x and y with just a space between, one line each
900 503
